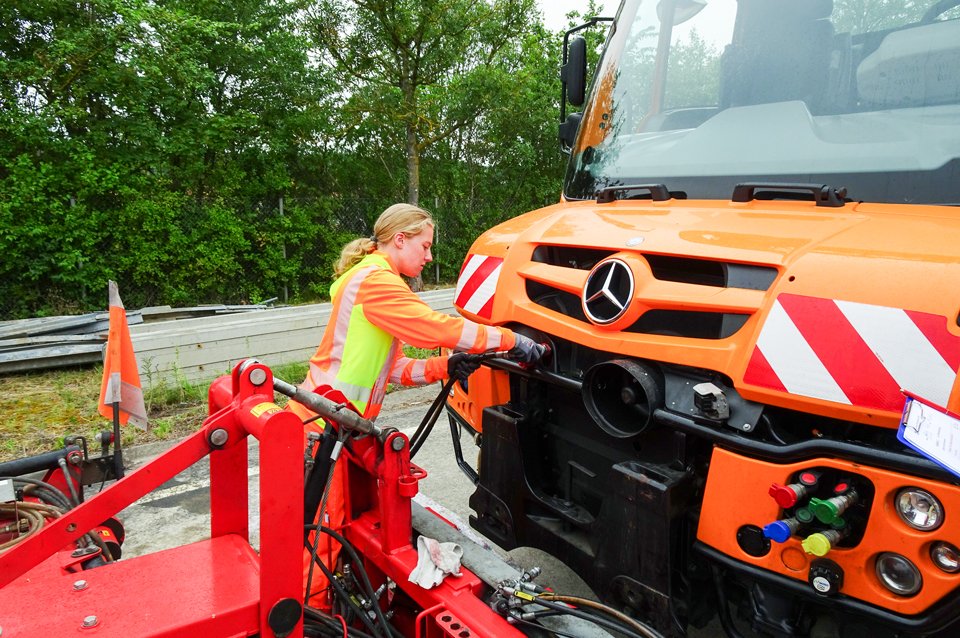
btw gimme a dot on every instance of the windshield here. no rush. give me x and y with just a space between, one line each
700 95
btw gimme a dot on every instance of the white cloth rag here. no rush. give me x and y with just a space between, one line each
434 561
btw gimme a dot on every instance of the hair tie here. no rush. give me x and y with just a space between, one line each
373 238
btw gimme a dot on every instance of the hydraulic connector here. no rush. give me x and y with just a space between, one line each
787 496
780 531
821 543
829 510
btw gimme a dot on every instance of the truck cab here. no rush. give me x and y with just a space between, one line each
752 273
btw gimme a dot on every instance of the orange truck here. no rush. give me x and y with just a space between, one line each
751 292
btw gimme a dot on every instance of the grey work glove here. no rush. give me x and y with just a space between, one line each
526 350
461 365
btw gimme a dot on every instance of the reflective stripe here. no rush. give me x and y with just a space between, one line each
794 361
468 336
396 374
905 351
418 370
347 302
484 291
380 387
494 339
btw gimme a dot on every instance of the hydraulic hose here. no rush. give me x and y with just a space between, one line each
367 585
33 514
603 622
644 629
345 596
430 418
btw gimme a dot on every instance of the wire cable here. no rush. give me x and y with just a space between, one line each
341 436
644 629
359 568
345 596
597 620
333 626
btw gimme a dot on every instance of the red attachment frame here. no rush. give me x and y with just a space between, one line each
216 587
221 586
379 527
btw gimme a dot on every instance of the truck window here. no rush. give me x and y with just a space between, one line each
777 90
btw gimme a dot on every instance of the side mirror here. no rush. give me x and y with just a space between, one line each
573 74
568 131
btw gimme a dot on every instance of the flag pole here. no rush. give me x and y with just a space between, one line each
117 450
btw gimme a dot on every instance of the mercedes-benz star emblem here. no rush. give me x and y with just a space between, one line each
608 291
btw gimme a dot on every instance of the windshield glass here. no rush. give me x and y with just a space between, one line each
700 95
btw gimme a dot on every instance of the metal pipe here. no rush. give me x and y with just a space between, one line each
327 408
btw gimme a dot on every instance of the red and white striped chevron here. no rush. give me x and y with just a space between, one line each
477 283
854 353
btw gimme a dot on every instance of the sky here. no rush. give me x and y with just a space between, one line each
555 11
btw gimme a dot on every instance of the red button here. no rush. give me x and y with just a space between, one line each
841 488
808 478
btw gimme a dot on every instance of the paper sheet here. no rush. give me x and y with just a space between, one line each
931 432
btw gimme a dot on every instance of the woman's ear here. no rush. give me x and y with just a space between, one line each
399 239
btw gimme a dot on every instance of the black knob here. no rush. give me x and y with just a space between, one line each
826 577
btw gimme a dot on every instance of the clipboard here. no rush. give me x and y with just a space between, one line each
932 431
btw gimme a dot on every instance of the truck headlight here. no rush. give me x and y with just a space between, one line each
898 574
945 556
919 509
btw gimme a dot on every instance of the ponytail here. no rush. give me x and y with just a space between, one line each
352 253
399 218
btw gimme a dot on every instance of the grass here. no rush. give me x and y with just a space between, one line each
40 409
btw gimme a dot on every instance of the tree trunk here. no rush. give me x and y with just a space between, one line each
413 166
413 186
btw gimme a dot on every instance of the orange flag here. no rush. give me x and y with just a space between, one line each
121 381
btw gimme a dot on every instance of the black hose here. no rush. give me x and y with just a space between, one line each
430 418
318 616
598 620
359 568
38 463
345 595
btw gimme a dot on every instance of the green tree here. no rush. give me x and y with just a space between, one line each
427 68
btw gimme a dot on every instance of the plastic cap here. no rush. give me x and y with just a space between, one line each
816 544
784 495
825 511
804 515
778 531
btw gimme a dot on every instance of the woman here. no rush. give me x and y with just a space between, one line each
374 314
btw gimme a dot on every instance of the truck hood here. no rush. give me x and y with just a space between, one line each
838 308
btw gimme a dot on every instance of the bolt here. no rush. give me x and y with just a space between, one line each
398 443
219 437
258 376
90 621
79 585
71 527
746 426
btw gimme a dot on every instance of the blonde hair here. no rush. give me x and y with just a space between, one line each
399 218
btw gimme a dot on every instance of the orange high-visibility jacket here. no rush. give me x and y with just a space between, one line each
374 314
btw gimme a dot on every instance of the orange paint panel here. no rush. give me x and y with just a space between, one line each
488 387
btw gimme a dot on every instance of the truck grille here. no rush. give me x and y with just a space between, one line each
556 276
